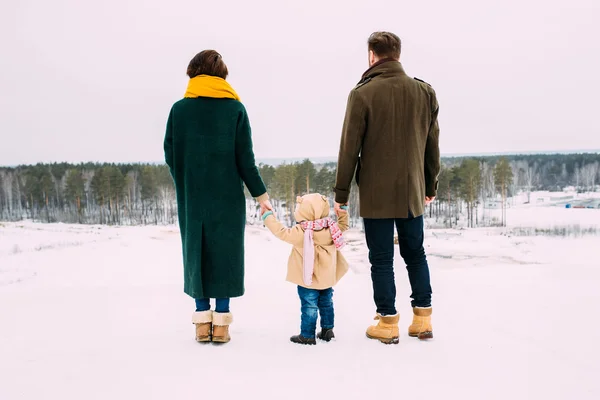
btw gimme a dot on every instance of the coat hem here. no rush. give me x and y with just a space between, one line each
319 287
214 295
396 216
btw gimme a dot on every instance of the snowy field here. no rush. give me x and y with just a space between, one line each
551 215
92 312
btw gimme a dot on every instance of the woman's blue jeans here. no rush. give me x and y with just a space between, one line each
222 305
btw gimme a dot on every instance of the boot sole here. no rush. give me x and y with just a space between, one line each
221 340
305 343
325 339
394 340
422 335
203 339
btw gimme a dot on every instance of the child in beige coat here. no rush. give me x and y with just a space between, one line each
315 264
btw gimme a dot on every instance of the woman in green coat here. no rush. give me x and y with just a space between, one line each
208 147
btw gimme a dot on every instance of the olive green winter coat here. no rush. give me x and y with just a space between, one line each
391 123
208 147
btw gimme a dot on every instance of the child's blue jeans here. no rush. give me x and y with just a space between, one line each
314 303
222 305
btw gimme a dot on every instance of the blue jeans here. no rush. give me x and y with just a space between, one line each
314 302
380 241
204 305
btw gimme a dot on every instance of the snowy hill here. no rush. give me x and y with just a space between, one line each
89 312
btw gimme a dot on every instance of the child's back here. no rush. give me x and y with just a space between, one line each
315 264
329 264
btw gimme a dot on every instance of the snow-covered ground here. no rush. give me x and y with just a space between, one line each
98 313
552 217
549 215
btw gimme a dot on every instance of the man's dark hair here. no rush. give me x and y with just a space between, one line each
385 45
207 62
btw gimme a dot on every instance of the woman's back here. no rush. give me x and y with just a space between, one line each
204 145
208 148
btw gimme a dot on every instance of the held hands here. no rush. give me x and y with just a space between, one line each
340 208
265 206
429 200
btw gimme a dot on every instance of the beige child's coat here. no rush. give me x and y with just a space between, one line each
330 264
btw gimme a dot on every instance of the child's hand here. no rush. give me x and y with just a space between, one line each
265 214
341 210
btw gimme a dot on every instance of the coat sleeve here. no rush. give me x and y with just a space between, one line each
168 143
432 151
353 132
244 157
294 236
342 221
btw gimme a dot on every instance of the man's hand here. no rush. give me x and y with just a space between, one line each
337 207
429 200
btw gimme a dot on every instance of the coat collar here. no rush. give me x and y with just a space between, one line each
385 66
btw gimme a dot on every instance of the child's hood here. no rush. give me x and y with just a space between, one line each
312 207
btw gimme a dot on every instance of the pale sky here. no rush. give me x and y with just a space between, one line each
94 81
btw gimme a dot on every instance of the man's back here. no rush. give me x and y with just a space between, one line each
391 122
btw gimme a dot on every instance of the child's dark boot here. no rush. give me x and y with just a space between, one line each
299 339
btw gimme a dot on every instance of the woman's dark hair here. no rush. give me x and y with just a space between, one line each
207 62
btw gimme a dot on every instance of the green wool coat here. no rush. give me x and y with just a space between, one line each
208 147
390 143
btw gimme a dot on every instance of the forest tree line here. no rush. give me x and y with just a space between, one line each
138 194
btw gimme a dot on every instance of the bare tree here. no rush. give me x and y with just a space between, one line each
588 174
531 178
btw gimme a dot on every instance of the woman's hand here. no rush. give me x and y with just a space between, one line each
265 206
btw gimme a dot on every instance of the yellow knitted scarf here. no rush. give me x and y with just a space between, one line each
210 86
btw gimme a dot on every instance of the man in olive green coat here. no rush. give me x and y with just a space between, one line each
390 145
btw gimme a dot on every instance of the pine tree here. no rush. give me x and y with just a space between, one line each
325 180
166 189
503 177
285 187
149 191
469 174
267 172
305 177
75 191
116 187
99 186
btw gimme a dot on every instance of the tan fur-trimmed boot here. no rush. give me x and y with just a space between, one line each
386 330
221 322
421 325
203 321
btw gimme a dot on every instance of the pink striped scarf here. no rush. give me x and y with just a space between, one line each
309 244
